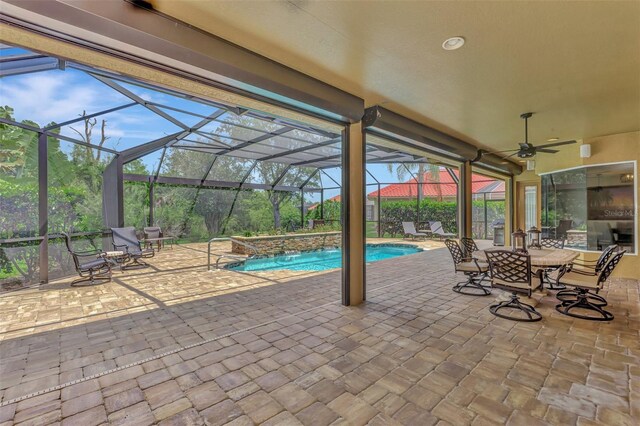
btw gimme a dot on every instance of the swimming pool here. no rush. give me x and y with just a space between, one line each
321 260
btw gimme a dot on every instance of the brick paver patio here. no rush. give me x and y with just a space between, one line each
175 344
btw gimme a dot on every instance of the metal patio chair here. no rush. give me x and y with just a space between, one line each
588 286
125 239
593 267
584 267
469 246
475 271
154 234
90 264
564 225
551 243
511 271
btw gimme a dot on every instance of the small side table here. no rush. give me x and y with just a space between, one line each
116 258
160 241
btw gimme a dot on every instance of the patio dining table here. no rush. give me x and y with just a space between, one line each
541 259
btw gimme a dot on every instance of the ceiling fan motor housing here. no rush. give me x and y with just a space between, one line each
526 154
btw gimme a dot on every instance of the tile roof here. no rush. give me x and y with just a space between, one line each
334 198
446 187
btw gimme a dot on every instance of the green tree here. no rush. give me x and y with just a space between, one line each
421 170
243 128
211 205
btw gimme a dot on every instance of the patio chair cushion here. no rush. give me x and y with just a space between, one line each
472 267
92 264
580 280
152 232
521 285
143 252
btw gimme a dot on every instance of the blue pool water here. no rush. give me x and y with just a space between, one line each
321 260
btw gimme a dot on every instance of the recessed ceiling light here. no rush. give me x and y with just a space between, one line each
453 43
553 139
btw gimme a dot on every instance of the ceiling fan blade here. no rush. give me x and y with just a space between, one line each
500 152
548 151
509 156
549 145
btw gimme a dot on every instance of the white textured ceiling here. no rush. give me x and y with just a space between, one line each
575 64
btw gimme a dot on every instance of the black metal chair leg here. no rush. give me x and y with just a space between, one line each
515 303
136 263
91 279
472 287
582 302
550 284
572 295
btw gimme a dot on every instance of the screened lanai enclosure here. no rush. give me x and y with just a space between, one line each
426 189
85 149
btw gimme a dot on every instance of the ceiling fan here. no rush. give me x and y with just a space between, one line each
526 149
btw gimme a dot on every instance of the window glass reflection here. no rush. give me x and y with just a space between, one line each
590 207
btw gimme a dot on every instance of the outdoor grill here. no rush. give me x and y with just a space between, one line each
498 232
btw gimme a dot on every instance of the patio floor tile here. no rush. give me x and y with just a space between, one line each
175 344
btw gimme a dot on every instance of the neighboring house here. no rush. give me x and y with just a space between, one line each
335 198
444 188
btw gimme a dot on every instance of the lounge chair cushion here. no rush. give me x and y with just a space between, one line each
417 234
436 228
472 267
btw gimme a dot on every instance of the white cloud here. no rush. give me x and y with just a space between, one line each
53 96
63 95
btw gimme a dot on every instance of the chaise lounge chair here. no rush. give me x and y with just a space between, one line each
125 239
409 229
436 229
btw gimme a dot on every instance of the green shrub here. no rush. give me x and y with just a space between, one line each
393 213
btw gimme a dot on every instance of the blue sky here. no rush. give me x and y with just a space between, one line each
62 95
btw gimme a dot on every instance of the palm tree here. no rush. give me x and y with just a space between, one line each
404 170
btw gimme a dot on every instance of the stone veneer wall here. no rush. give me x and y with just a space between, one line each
274 244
